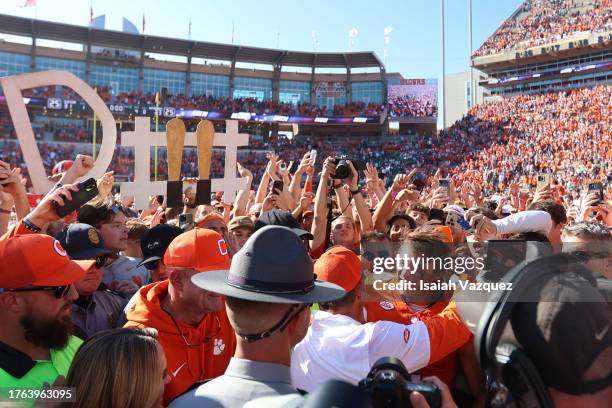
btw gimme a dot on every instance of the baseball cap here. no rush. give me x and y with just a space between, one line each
61 167
283 219
82 241
201 249
341 266
565 331
37 260
155 241
209 217
456 209
242 221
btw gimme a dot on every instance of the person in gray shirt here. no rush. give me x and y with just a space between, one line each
97 308
269 289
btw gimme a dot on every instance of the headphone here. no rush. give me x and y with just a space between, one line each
514 380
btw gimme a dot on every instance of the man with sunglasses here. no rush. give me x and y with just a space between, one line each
268 307
37 291
192 325
154 243
98 307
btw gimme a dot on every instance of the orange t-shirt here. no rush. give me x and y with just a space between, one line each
399 312
212 342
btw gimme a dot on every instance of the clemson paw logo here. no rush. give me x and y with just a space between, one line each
218 347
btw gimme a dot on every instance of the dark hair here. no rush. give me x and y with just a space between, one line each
530 236
490 214
99 212
419 207
400 216
343 301
556 211
173 212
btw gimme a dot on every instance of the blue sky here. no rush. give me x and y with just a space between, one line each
414 48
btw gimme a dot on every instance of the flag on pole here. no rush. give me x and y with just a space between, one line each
29 3
352 33
143 22
387 33
189 28
91 16
156 130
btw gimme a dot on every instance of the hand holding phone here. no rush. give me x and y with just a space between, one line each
543 181
596 188
278 185
87 190
313 156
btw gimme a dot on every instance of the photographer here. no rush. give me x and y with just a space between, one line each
343 229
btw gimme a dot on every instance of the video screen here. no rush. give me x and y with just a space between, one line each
413 98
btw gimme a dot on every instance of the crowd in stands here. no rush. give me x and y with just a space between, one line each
252 105
542 22
499 142
184 303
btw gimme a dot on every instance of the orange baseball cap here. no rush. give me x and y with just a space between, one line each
447 234
209 217
38 260
341 266
201 249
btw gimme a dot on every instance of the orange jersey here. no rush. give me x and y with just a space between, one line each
443 362
212 342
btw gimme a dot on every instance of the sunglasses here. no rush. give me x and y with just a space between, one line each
151 265
60 291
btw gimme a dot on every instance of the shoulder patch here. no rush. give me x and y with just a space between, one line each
406 335
385 305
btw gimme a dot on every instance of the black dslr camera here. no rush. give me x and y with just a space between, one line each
389 386
342 168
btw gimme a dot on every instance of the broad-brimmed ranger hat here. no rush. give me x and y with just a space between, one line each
273 267
282 218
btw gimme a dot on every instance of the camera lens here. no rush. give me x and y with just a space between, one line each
342 170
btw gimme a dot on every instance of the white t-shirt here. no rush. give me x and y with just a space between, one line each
339 347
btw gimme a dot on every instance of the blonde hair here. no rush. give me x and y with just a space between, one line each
116 368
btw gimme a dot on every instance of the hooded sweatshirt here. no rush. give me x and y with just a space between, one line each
212 341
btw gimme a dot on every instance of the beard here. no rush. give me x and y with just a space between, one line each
48 333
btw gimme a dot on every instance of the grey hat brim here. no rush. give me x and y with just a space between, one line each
149 260
216 281
90 253
302 233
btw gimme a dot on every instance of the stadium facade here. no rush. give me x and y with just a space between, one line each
120 61
571 60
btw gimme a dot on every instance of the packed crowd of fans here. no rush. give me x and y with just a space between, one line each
141 307
511 140
546 21
252 105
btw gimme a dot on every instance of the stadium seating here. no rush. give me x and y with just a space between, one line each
540 22
502 141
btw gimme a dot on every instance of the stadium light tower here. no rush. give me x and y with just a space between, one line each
443 70
472 97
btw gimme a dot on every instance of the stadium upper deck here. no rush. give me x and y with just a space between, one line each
129 71
549 44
